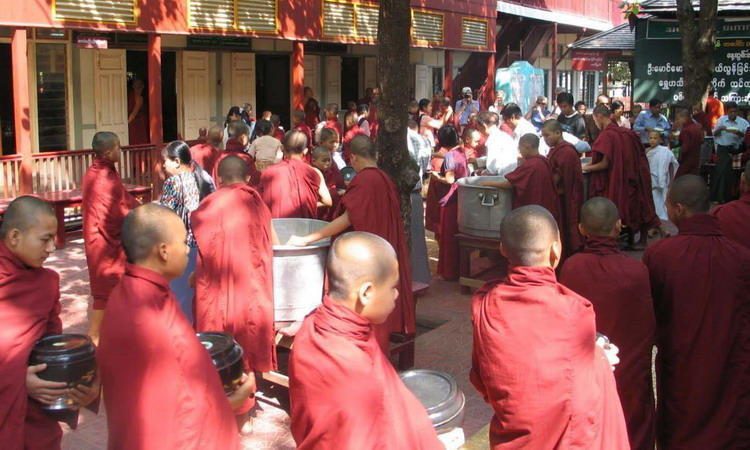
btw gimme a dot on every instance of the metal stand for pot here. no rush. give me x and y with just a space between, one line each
466 246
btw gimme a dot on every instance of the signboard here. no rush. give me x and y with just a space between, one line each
241 44
92 42
589 60
658 61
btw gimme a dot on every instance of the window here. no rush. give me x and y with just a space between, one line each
109 11
354 20
473 32
245 15
426 27
51 98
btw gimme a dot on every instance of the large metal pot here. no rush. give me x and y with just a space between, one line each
481 208
298 272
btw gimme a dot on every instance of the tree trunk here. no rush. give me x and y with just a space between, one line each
394 31
698 39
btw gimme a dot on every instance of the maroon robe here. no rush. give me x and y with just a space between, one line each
618 287
303 128
290 189
233 275
456 162
346 143
373 205
312 113
344 392
205 155
627 180
566 164
105 205
235 148
138 129
334 181
700 282
691 140
334 124
29 310
162 390
278 133
734 219
533 184
536 363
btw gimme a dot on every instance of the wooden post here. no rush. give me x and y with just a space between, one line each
489 84
553 57
21 107
156 133
298 75
448 75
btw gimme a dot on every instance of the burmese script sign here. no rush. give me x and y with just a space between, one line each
658 62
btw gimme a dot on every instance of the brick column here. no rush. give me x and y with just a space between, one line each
21 107
155 127
298 75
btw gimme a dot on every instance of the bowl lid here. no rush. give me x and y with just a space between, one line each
221 346
62 347
437 391
348 173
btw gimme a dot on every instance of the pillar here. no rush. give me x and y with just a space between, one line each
298 75
154 89
21 107
489 85
553 69
448 75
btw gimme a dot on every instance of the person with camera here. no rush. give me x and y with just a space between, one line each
466 107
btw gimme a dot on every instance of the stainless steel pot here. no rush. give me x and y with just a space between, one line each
298 272
481 208
439 394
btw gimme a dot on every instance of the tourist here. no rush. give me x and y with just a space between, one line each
466 107
428 125
570 119
516 124
651 120
734 216
728 135
497 106
234 114
618 114
502 151
539 113
266 148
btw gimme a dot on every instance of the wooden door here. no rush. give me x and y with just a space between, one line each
111 98
243 79
196 111
312 74
332 85
423 82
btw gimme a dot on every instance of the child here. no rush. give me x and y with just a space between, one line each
469 143
162 389
298 123
663 167
329 139
332 122
321 160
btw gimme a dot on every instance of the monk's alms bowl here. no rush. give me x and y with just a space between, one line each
226 354
439 394
70 359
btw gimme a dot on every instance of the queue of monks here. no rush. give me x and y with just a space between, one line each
562 343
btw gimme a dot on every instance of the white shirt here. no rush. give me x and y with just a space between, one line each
726 138
581 146
524 127
663 166
502 152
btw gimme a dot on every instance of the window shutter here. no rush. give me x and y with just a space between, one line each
338 19
256 15
211 13
473 32
367 21
427 27
110 11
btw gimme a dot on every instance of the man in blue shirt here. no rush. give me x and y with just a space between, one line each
651 120
466 107
728 134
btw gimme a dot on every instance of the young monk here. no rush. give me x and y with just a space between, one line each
618 287
700 283
344 392
734 217
292 188
105 205
535 359
568 177
321 160
29 310
691 141
161 389
206 153
352 130
233 276
532 181
372 204
238 145
329 139
332 122
298 124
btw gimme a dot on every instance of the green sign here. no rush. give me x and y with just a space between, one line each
658 62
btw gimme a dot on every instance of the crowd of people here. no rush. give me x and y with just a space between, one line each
562 344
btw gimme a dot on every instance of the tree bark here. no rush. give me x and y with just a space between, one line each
698 32
394 31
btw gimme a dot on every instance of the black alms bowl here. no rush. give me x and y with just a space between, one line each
70 358
226 355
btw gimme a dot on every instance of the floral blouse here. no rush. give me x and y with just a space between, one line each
181 194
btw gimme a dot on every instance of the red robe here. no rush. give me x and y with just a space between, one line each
334 124
290 189
535 362
233 275
303 128
334 181
162 391
627 180
374 206
235 148
618 287
312 113
533 185
734 219
700 282
567 166
344 392
105 205
205 155
278 133
347 141
691 140
29 310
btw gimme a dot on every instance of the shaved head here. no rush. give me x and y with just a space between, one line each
23 213
363 147
144 228
295 142
356 258
103 141
553 126
233 169
529 139
319 152
602 110
691 192
215 135
683 113
527 234
599 216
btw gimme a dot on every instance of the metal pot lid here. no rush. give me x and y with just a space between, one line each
348 173
222 347
63 348
473 182
437 391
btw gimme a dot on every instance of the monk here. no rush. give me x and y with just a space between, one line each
322 160
332 122
734 217
298 124
344 392
568 177
353 130
372 204
292 188
691 141
532 181
105 205
700 281
329 139
29 310
238 145
536 359
207 152
620 172
618 287
233 276
161 388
